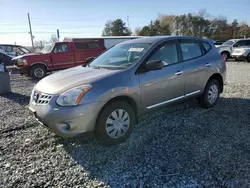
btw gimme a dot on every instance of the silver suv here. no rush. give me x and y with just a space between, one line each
132 78
227 48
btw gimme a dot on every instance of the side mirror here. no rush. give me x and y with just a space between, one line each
88 60
154 65
235 45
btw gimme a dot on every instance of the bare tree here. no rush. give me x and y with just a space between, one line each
53 39
40 44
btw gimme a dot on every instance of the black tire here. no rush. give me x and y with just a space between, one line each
248 58
38 75
204 99
225 54
100 130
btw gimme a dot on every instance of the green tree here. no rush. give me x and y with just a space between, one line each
235 26
116 28
155 28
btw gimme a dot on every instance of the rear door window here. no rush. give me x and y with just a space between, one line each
190 50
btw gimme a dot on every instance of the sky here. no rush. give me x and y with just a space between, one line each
85 18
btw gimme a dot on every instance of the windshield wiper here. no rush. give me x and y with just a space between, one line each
97 67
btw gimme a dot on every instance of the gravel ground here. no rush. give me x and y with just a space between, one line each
180 146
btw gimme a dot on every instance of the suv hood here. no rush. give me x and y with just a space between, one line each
70 78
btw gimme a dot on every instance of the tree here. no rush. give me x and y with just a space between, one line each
116 28
244 30
155 28
53 39
40 44
137 31
145 31
168 20
235 25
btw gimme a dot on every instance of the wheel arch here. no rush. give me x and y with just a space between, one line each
219 78
126 99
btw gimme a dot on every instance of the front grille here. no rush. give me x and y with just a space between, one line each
41 98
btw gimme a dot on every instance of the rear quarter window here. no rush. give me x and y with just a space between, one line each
190 50
93 45
206 46
87 45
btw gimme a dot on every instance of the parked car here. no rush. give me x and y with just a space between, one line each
62 55
217 43
4 58
115 89
14 50
241 53
227 48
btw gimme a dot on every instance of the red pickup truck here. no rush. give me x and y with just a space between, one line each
63 55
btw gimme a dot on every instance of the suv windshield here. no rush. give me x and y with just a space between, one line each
228 43
120 56
47 48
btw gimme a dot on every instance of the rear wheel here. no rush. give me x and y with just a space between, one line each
38 72
211 94
115 123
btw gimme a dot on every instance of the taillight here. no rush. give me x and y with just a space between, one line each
224 59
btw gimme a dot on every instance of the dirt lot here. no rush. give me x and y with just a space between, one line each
180 146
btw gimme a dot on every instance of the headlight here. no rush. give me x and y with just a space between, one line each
73 96
243 51
22 61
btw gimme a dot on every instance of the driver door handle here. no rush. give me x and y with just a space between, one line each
207 64
179 73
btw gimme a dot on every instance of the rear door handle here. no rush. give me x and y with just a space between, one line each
207 64
179 73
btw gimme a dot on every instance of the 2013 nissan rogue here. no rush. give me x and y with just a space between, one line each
130 79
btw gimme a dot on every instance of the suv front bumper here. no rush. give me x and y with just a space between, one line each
66 121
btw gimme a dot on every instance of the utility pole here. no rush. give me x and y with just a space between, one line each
31 35
58 34
128 21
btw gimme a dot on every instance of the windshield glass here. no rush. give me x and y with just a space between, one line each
228 43
47 48
24 50
120 56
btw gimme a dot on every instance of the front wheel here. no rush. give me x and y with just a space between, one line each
211 94
226 55
248 58
115 123
38 72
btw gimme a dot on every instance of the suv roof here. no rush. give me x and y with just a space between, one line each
156 39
